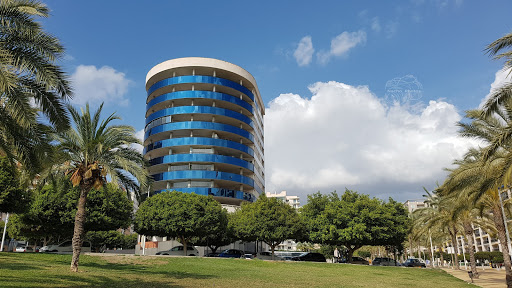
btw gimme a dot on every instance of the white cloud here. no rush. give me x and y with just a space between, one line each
99 85
140 135
376 24
501 77
304 52
341 45
344 136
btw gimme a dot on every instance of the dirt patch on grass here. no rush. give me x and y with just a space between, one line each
131 259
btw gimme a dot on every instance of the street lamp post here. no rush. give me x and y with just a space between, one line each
3 234
431 248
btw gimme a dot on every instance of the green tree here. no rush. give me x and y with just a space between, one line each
179 215
108 208
48 217
110 239
269 220
13 198
354 220
436 219
51 214
93 152
29 76
219 234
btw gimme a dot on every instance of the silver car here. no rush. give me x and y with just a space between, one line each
66 246
178 251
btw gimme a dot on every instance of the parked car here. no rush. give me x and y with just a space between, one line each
216 254
359 260
385 261
66 246
249 256
310 256
268 256
178 251
413 262
232 253
23 248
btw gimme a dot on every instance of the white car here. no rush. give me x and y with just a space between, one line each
23 248
66 246
178 251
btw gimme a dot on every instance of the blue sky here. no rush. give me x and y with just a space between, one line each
111 45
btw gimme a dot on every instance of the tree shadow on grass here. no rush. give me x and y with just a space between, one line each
80 281
143 269
16 266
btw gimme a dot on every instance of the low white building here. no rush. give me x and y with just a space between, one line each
293 201
412 205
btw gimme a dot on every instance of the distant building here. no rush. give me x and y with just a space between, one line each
482 241
293 201
412 205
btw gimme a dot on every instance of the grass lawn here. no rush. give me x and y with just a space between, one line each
48 270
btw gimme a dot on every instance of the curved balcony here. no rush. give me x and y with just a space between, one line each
214 158
205 175
186 141
199 95
199 110
216 192
200 79
199 125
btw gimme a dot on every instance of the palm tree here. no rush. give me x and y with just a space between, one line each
481 180
504 93
29 78
30 81
94 152
471 214
438 217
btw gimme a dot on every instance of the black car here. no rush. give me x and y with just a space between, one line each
310 256
413 262
358 260
385 261
232 253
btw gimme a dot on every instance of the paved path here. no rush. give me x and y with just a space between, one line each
489 278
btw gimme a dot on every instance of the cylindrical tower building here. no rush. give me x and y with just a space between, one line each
204 129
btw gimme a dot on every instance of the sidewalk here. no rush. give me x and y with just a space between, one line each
489 278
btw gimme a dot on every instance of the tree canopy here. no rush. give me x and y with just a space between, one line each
269 220
354 220
219 234
51 214
179 215
13 198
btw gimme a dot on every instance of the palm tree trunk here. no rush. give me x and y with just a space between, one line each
411 254
453 234
498 222
441 255
79 227
468 229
